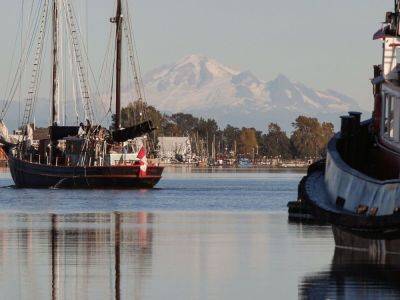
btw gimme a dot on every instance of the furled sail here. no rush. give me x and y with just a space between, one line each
129 133
61 132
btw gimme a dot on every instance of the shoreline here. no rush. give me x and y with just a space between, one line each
190 166
266 168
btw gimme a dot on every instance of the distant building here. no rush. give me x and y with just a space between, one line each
174 149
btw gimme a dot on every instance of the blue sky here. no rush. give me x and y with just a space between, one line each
323 43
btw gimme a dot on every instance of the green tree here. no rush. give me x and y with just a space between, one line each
169 127
308 140
138 111
309 137
187 123
207 130
231 137
276 142
133 114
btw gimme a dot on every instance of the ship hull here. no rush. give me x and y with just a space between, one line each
32 175
377 235
363 211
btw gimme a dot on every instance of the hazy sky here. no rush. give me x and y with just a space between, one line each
323 43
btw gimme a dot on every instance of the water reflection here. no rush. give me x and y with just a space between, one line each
355 275
75 256
158 255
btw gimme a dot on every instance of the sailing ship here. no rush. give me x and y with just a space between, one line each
85 155
357 187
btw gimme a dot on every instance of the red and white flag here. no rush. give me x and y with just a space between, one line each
142 161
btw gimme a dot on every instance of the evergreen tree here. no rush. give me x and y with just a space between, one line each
276 143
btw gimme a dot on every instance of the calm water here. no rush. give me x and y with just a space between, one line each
200 235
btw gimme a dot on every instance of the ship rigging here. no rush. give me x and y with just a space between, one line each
85 154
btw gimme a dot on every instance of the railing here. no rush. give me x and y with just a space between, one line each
45 160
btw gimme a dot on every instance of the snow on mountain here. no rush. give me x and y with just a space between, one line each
203 86
206 88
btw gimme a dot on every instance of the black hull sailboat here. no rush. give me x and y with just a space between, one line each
84 156
35 175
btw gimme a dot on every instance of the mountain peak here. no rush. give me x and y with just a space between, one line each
203 63
193 71
205 87
281 79
192 58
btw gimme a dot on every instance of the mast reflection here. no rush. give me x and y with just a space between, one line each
79 256
53 257
117 244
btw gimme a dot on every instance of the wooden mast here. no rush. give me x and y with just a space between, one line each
118 22
55 62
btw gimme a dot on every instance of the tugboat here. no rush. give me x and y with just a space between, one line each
80 156
357 187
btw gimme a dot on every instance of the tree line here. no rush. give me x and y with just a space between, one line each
307 140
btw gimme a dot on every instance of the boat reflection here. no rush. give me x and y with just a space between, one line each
355 275
76 256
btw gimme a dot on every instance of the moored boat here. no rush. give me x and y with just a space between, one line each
35 175
80 156
357 188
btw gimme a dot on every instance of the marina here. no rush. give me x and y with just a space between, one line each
198 179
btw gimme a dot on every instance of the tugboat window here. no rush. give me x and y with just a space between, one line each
389 117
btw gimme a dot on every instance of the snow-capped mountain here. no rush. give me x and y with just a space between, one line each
203 86
206 88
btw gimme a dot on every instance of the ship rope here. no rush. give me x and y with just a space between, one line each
73 83
20 28
137 74
107 78
78 59
20 75
33 23
134 62
36 74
